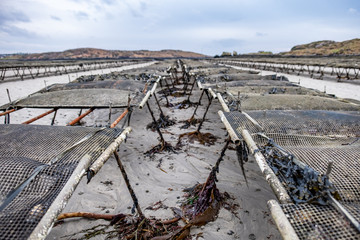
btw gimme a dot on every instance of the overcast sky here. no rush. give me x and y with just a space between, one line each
204 26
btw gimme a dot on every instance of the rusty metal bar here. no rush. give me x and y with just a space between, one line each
119 118
8 111
73 122
40 116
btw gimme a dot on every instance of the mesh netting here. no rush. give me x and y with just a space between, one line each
276 89
55 151
315 138
311 123
79 98
318 222
293 102
119 84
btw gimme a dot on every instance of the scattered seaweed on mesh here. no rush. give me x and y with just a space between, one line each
304 184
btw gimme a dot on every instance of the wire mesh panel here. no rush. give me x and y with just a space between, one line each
77 98
48 155
315 138
275 89
318 222
312 122
119 84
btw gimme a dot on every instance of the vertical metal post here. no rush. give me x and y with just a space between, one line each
207 108
131 191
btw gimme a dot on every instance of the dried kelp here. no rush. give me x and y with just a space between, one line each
185 104
203 200
161 147
162 122
130 227
126 226
190 122
303 184
203 138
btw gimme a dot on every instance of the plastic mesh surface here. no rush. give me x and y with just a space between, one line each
77 98
119 84
315 138
309 123
56 151
318 222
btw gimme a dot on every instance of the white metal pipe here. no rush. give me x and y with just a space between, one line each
141 105
212 93
269 175
222 102
229 129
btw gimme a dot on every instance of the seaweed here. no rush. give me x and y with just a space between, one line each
161 147
203 138
162 122
304 184
190 122
185 104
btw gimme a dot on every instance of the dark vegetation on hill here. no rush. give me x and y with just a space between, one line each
94 53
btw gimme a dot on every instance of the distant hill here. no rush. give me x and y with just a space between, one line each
326 47
85 53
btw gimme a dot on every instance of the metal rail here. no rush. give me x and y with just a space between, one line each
28 70
318 71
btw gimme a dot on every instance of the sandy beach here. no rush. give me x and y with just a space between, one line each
163 177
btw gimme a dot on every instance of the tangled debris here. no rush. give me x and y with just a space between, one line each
190 122
203 138
161 147
185 104
304 184
162 122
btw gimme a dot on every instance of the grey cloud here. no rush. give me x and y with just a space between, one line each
80 15
13 16
137 11
55 18
7 21
17 32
